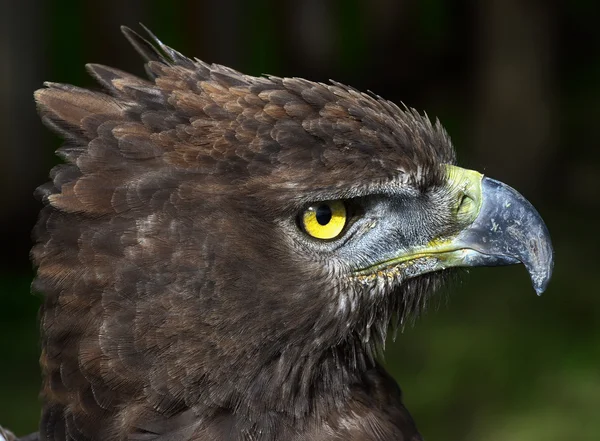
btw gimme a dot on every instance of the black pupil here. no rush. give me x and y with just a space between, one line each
323 214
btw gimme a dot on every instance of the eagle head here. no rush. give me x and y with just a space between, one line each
223 247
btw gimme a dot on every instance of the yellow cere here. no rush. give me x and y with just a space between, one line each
466 185
325 220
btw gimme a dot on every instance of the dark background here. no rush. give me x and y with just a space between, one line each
516 83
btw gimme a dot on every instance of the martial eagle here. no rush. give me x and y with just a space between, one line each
221 255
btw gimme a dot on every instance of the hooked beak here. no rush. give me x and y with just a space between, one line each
508 230
500 227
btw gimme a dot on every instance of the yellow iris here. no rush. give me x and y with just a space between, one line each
325 220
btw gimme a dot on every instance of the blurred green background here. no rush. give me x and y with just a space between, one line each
516 83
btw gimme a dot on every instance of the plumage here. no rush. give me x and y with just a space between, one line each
182 301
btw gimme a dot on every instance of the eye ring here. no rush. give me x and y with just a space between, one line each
324 220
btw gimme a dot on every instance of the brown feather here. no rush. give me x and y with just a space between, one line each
176 308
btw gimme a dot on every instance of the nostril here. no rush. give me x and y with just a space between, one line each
466 205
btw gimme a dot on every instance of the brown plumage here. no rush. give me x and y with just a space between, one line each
182 299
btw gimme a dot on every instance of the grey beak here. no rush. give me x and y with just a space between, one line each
509 230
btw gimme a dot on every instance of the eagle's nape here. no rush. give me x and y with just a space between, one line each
221 255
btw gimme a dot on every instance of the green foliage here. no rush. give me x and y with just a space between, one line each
19 353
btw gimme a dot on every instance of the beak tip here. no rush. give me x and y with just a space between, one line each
543 273
540 288
541 277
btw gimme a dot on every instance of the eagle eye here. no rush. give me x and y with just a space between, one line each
324 220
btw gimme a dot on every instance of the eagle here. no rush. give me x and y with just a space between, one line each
221 255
